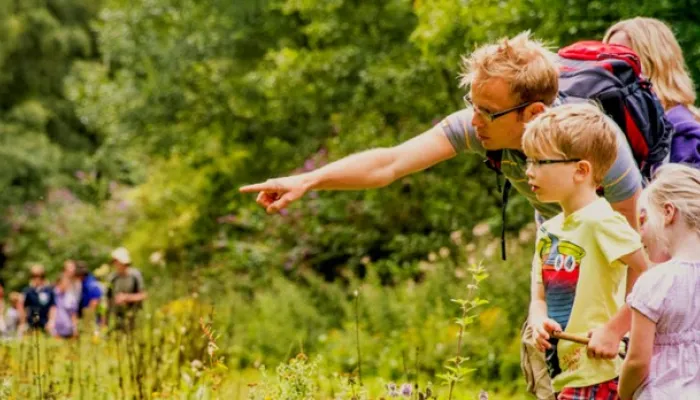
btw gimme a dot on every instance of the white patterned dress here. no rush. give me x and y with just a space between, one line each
669 294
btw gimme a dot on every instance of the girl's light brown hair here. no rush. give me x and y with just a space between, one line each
662 60
678 185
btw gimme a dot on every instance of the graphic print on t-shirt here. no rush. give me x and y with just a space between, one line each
560 260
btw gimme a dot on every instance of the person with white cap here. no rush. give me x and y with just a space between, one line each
125 291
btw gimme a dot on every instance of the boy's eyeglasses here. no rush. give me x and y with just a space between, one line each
492 116
531 162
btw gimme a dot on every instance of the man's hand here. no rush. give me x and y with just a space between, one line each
120 298
542 331
276 194
603 344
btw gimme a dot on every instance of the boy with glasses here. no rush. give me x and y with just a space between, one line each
583 255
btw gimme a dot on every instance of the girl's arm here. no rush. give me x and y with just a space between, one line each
605 342
635 369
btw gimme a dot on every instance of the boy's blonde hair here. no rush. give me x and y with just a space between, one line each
570 131
675 184
662 60
526 64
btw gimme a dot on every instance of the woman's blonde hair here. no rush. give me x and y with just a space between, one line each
678 185
662 60
525 63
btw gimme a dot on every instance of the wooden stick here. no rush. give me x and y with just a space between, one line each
577 339
570 337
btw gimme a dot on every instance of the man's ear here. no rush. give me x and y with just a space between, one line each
533 110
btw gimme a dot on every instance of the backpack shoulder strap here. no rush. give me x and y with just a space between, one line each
493 160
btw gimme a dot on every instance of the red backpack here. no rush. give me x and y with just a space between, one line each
612 76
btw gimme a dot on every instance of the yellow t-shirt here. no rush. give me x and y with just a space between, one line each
577 261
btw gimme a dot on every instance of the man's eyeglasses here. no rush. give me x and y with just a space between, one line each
492 116
532 162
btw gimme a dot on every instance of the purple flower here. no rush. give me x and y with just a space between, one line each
406 389
284 212
309 165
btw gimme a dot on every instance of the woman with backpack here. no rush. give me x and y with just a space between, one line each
663 64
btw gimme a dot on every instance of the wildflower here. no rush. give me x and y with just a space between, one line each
309 165
211 349
156 258
444 252
481 229
456 237
490 250
406 390
392 390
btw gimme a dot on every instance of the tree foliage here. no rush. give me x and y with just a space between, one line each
183 101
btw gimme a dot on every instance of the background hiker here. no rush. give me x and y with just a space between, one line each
126 290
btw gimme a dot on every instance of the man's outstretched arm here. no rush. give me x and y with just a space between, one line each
365 170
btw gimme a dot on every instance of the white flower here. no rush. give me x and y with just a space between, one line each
481 229
444 252
156 258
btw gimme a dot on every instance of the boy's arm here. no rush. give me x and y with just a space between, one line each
540 323
605 341
636 366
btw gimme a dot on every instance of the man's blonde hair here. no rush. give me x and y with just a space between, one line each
571 131
662 60
525 63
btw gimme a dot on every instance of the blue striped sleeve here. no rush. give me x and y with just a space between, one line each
623 179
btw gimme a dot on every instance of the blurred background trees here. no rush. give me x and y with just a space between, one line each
135 123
